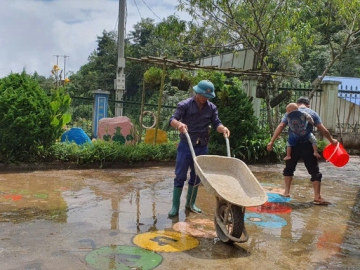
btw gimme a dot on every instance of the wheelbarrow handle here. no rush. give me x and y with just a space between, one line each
192 148
190 144
227 146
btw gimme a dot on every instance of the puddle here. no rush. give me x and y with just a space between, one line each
66 214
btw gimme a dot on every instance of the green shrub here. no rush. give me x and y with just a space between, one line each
322 144
236 112
60 104
278 153
25 114
99 152
29 119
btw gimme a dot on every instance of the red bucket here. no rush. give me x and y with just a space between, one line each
336 154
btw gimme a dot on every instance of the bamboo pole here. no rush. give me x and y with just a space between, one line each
142 109
160 99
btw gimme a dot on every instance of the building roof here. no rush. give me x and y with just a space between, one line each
349 88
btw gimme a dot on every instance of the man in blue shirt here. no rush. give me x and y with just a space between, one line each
303 150
193 115
298 122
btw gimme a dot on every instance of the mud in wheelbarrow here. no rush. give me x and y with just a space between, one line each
235 188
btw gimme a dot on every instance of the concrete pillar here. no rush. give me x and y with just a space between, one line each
329 104
249 87
100 108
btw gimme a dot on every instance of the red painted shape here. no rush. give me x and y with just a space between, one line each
269 207
330 240
13 197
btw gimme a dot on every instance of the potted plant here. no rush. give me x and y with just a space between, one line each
180 79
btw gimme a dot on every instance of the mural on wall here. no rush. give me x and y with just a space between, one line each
117 129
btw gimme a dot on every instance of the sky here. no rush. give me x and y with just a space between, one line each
37 34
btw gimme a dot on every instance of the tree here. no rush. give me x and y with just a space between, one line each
45 83
283 33
337 22
263 26
100 71
270 28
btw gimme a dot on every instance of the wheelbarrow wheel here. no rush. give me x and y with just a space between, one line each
233 222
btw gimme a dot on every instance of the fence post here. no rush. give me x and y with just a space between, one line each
329 104
249 87
100 108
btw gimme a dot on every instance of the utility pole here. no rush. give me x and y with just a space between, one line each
120 75
57 62
57 59
65 65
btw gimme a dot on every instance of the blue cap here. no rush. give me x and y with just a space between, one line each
205 88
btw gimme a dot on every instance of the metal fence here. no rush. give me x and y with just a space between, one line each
348 110
132 109
343 101
346 120
82 114
290 93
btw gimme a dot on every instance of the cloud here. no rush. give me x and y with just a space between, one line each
33 32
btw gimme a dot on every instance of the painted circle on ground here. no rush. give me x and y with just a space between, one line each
269 207
275 197
123 257
165 241
196 227
265 220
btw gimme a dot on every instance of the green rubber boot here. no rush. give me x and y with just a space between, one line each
175 202
191 198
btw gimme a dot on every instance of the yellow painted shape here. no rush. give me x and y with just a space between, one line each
161 136
165 241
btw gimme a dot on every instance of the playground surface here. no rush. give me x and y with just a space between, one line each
117 219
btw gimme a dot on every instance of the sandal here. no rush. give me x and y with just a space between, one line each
321 202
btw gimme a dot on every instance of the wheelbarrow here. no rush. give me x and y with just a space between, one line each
234 187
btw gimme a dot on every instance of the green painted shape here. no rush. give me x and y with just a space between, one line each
41 195
129 137
123 258
107 137
118 137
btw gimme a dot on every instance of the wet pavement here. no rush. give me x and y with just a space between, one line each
117 219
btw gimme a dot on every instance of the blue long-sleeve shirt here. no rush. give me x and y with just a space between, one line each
197 121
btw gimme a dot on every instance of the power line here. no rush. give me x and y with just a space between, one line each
151 10
117 20
137 8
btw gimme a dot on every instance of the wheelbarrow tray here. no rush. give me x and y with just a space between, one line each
229 178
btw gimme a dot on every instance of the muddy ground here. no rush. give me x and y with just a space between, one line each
116 218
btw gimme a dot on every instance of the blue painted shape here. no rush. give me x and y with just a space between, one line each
76 135
277 198
265 220
268 184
